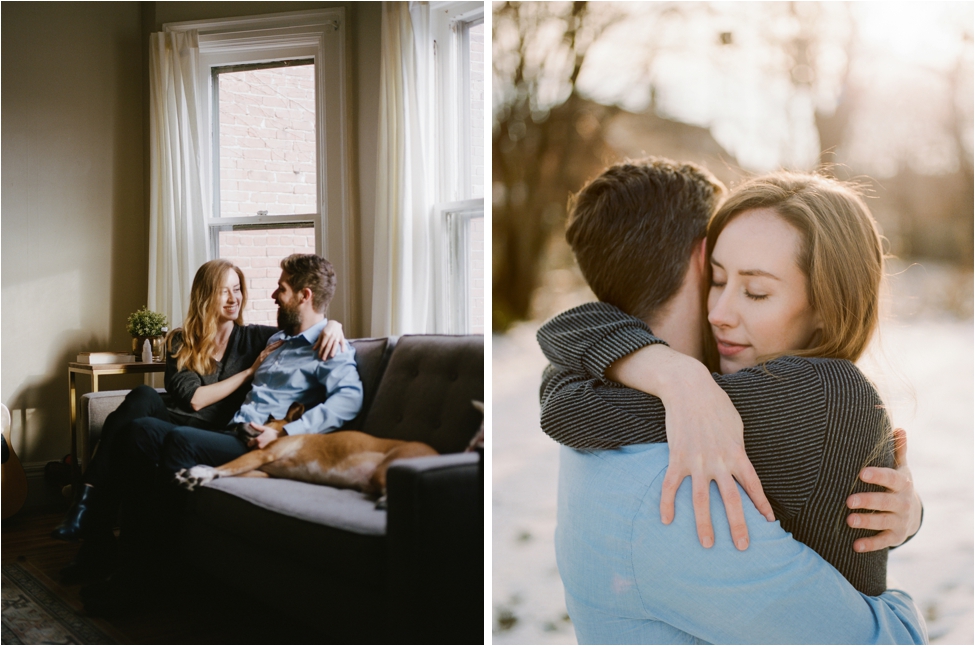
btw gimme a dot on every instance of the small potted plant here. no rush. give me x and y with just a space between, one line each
145 324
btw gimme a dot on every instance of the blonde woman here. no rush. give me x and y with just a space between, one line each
792 266
210 363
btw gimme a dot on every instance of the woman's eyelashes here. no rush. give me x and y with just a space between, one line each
748 294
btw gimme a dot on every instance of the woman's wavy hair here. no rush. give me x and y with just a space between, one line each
840 253
199 329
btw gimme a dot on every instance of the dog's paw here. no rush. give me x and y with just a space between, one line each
381 503
195 477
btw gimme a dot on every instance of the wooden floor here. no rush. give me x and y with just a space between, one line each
182 619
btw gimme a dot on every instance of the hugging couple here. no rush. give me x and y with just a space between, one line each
722 348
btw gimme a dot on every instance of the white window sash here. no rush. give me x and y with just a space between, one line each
455 207
454 282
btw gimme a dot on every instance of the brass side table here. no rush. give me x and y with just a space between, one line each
95 371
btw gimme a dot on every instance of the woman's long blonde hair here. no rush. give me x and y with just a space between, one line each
840 253
199 329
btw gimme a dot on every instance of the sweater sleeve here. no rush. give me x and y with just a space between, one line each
180 384
589 338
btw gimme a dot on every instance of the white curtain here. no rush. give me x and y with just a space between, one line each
403 272
179 200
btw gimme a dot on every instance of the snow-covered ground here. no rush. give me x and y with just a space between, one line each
925 374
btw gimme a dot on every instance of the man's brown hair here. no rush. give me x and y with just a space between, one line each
633 227
315 273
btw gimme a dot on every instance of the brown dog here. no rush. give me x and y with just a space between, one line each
345 459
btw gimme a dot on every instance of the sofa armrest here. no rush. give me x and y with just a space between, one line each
435 536
95 408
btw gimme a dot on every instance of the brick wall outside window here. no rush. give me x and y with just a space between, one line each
267 141
477 110
267 163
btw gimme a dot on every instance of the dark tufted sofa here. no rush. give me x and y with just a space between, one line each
330 561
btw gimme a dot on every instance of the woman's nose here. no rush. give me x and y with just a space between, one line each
722 313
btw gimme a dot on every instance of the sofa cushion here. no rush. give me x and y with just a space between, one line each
371 357
346 509
426 392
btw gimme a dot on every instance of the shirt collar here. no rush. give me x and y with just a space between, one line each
311 334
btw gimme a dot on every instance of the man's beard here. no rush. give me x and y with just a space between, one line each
289 320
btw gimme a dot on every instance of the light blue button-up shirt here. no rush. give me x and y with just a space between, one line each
330 390
630 579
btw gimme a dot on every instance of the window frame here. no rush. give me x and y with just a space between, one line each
318 35
454 207
456 218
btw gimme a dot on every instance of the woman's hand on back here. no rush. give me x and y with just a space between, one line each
897 512
705 435
330 340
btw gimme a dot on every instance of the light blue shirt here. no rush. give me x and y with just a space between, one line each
330 390
631 579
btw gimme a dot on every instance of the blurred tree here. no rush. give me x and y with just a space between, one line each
546 139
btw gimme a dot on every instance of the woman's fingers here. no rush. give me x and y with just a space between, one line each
330 340
736 515
888 478
753 487
267 351
668 493
326 346
702 510
874 543
329 350
878 501
878 522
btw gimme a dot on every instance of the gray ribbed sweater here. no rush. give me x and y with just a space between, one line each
810 426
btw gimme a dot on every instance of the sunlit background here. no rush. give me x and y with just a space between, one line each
878 92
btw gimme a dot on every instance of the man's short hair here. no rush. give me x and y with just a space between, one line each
315 273
633 227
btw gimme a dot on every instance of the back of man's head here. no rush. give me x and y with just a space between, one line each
315 273
632 230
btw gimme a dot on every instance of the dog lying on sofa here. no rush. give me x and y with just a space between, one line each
342 459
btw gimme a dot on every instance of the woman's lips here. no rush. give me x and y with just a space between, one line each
728 349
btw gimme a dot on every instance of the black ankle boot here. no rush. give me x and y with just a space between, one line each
79 518
95 560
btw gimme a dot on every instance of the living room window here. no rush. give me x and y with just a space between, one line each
274 90
265 174
460 63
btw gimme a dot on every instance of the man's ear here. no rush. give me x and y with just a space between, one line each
699 255
305 295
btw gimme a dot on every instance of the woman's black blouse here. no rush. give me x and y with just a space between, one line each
243 347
